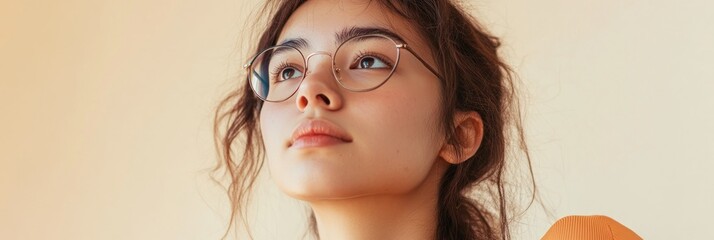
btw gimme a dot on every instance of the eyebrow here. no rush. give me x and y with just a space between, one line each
344 35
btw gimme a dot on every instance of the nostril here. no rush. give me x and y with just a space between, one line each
324 98
302 102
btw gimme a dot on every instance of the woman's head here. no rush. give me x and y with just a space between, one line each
446 125
392 138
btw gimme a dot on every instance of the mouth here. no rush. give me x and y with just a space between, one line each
318 133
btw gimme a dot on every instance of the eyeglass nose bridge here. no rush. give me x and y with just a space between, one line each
307 59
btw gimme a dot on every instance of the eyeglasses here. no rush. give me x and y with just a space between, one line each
362 63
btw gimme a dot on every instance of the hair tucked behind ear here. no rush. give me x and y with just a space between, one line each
473 199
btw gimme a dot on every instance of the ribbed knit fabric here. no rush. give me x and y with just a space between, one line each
589 228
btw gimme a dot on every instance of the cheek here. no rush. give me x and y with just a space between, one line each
402 132
273 125
405 112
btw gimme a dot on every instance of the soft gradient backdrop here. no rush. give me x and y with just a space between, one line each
106 112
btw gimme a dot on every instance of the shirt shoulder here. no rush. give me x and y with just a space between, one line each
596 227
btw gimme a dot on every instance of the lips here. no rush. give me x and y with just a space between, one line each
317 132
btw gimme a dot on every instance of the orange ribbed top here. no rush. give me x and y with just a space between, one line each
595 227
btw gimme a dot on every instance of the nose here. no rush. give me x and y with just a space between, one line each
319 89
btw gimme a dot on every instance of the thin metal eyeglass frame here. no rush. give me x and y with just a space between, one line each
398 45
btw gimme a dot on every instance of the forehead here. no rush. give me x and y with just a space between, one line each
321 22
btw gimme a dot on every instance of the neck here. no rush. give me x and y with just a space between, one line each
412 215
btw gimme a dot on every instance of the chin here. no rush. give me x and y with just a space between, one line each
340 189
316 177
307 192
318 188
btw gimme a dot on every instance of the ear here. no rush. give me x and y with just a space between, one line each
469 133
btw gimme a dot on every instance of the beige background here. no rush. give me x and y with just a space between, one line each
105 115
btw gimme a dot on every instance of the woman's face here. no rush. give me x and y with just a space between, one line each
381 142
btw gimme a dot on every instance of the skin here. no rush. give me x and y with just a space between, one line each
383 184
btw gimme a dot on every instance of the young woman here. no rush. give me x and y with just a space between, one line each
392 119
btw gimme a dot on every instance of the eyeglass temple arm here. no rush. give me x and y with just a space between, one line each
404 46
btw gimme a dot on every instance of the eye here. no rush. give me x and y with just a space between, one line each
370 61
284 72
289 73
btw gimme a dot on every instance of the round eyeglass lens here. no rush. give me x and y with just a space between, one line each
365 62
276 73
